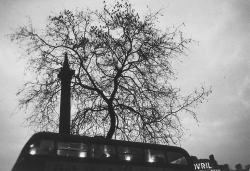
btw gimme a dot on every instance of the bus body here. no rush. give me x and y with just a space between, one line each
60 152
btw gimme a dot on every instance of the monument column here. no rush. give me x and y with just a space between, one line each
65 75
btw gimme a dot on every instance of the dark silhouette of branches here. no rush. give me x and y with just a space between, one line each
122 86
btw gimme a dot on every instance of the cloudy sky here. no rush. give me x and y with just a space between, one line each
220 60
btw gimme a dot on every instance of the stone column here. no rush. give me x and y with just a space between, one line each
65 75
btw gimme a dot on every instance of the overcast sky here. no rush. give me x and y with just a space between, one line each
220 60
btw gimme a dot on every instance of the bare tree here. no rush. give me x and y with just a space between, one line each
122 87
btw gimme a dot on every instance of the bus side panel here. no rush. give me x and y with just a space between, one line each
70 166
29 165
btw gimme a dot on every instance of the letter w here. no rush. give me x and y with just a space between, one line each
197 166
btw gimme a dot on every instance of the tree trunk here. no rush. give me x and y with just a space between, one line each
112 120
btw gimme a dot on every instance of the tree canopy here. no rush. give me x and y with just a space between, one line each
122 87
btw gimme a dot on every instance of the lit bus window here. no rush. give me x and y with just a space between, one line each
154 156
130 154
176 158
42 147
102 151
72 149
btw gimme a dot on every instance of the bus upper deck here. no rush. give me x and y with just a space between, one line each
60 152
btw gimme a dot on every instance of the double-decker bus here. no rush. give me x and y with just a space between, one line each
61 152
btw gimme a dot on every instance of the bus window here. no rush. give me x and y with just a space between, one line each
154 156
176 158
130 154
102 151
72 149
42 147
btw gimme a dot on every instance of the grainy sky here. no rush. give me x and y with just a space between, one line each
220 59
